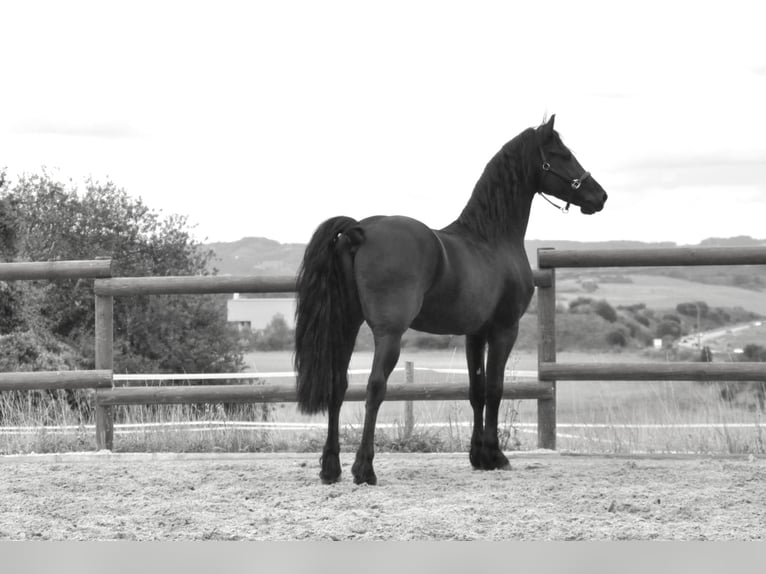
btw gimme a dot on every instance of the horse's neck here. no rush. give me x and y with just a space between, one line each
499 207
498 213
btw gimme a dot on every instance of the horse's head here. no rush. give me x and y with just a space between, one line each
562 175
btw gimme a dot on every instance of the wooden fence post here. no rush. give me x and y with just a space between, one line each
546 353
104 360
409 413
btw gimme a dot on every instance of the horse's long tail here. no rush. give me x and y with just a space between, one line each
327 315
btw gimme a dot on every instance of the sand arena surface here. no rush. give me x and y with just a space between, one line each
419 497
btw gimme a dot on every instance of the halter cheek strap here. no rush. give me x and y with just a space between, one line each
574 183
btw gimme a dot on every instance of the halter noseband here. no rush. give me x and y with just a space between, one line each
574 183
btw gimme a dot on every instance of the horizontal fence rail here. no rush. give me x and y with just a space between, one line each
36 270
186 285
516 375
652 257
51 380
283 393
652 371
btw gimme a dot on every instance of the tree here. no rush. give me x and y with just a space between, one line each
693 309
668 328
50 220
276 336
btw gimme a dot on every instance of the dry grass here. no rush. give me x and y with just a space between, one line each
655 417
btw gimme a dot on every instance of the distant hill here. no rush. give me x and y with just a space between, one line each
261 256
257 256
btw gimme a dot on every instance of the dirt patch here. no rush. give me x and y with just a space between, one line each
419 497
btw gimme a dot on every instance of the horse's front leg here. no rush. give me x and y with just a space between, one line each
386 355
500 344
474 350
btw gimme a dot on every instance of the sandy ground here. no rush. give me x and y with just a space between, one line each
419 497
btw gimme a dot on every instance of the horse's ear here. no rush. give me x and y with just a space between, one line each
546 130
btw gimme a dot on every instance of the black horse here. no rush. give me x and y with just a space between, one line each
471 278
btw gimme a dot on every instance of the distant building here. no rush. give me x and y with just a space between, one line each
255 314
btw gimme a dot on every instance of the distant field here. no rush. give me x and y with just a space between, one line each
664 292
755 335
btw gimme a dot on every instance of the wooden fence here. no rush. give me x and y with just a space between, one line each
105 291
544 390
55 271
551 371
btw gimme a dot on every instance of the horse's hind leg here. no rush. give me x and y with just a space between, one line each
474 350
330 463
387 348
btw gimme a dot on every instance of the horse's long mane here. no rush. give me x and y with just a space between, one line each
500 201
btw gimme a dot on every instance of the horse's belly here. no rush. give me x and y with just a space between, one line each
452 318
455 311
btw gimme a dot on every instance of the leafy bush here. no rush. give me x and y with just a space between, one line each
690 309
668 328
581 305
605 311
755 353
44 219
617 338
643 319
28 351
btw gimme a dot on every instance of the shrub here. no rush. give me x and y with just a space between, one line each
633 308
577 305
605 311
755 353
617 338
643 319
690 309
668 328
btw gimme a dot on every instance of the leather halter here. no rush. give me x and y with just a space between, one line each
574 183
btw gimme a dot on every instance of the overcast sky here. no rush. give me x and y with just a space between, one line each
265 118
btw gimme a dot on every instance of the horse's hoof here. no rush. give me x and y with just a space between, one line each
370 479
330 473
364 474
495 461
329 479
